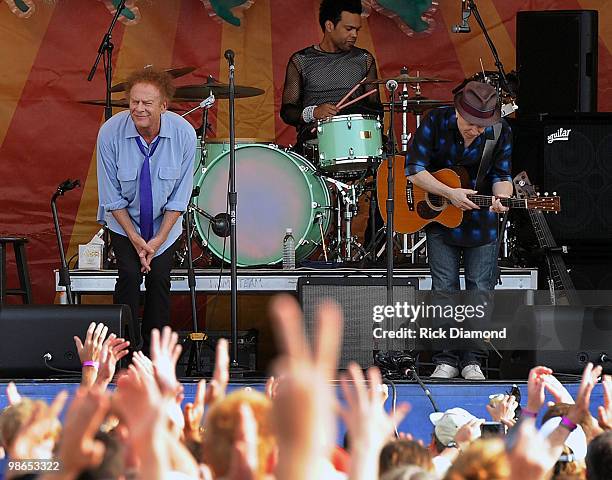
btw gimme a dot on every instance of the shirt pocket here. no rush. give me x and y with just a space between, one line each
127 179
169 177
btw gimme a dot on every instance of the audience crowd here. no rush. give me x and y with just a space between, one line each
138 429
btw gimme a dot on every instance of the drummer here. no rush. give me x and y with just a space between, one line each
319 76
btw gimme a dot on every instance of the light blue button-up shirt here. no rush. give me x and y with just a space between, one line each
120 161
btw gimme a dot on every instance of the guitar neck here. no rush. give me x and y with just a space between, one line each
486 201
558 270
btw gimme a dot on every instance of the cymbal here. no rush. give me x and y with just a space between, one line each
419 104
124 102
220 90
173 72
403 78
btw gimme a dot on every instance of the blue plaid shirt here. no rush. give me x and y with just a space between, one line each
438 144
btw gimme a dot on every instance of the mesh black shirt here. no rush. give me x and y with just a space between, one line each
315 77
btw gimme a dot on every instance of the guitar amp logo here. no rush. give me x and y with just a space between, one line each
560 135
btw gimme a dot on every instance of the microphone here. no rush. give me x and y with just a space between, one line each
229 55
391 85
465 14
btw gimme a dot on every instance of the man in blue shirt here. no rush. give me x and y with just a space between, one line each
145 177
450 137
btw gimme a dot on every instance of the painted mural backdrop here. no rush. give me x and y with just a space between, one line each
47 48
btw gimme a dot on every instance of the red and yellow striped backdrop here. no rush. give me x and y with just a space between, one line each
46 136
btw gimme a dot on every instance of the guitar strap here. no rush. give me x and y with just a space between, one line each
487 154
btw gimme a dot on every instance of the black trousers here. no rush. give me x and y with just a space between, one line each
157 283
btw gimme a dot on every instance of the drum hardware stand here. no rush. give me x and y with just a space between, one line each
64 272
347 195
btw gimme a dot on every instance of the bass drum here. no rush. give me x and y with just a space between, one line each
276 190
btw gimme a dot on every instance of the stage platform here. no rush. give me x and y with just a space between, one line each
102 282
473 396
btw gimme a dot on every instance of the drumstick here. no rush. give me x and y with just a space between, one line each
339 105
351 91
354 100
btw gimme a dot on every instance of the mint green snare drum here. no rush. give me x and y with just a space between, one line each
349 143
276 190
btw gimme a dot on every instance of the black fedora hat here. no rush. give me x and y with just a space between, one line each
477 103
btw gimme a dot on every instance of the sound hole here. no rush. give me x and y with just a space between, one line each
436 201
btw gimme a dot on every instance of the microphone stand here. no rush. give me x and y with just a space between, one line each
106 48
390 205
233 200
500 67
64 272
196 337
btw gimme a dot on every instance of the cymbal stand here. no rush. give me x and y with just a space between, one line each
404 95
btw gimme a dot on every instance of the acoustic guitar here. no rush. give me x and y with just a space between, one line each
415 208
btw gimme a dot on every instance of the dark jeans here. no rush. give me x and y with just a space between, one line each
157 283
480 265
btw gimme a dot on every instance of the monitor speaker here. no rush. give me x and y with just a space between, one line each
357 296
37 340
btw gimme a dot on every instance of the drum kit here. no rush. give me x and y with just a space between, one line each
317 195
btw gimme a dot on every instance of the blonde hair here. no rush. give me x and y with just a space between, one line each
483 460
220 430
15 416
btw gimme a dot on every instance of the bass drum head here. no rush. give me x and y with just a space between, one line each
276 190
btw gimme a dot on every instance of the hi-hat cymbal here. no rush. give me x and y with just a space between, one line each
403 78
220 90
173 72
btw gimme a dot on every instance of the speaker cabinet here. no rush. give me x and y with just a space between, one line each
357 296
556 59
570 336
572 156
36 340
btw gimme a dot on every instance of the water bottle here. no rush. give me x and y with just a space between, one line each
288 250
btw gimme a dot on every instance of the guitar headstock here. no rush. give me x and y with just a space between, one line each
525 190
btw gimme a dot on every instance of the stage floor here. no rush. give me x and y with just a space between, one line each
211 280
473 396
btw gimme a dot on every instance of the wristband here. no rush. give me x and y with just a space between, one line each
90 363
528 413
567 423
308 114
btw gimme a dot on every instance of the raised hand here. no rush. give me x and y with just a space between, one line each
304 403
580 410
604 412
557 390
218 385
35 437
89 351
194 412
368 424
503 409
535 388
165 352
531 457
244 464
113 350
78 448
12 394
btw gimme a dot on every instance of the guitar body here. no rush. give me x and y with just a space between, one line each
414 207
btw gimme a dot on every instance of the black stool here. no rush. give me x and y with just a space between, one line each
25 290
